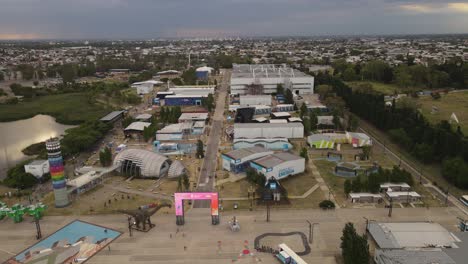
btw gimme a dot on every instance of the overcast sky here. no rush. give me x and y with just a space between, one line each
118 19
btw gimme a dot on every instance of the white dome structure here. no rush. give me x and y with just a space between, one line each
142 163
176 170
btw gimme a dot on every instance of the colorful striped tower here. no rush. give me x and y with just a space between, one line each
57 172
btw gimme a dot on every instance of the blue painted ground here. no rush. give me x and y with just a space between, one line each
72 232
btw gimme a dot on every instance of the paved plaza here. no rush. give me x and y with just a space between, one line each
205 243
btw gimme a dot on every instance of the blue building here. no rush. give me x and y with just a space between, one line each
173 100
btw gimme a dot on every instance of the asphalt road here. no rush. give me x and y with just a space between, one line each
207 173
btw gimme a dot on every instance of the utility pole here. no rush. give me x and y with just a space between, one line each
268 211
130 225
390 208
38 229
447 195
310 231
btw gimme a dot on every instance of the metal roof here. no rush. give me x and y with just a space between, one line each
111 115
139 126
410 235
273 160
245 152
149 162
399 256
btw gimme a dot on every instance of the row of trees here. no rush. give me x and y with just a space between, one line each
170 114
255 177
354 247
17 177
372 182
208 102
410 129
83 137
452 73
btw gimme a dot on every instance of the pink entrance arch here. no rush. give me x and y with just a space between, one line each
179 204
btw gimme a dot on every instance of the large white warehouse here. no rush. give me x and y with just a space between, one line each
268 130
264 78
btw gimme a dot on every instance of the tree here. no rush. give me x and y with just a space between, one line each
354 248
18 178
69 73
186 181
179 184
289 98
200 151
327 204
305 154
255 177
347 187
336 121
349 74
307 126
366 150
303 110
313 120
324 91
279 88
208 102
356 184
402 77
353 123
105 157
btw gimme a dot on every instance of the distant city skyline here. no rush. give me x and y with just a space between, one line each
146 19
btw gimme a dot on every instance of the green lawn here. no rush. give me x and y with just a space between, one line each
335 183
71 108
448 103
387 89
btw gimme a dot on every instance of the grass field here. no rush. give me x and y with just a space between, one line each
448 103
72 108
385 88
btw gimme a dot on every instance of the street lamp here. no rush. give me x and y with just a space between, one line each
311 231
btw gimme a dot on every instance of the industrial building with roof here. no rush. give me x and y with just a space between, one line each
268 130
238 160
201 90
136 129
145 87
146 164
279 165
268 143
259 99
113 116
190 117
417 243
407 235
181 131
264 79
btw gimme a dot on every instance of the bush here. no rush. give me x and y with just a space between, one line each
327 204
18 178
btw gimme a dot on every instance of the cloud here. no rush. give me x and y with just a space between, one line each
422 7
105 19
458 7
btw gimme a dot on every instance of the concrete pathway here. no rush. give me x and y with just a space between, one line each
323 186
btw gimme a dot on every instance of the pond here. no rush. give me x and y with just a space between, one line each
17 135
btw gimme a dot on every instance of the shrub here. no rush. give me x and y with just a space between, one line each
327 204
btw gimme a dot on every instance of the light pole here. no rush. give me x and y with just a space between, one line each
311 231
367 223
